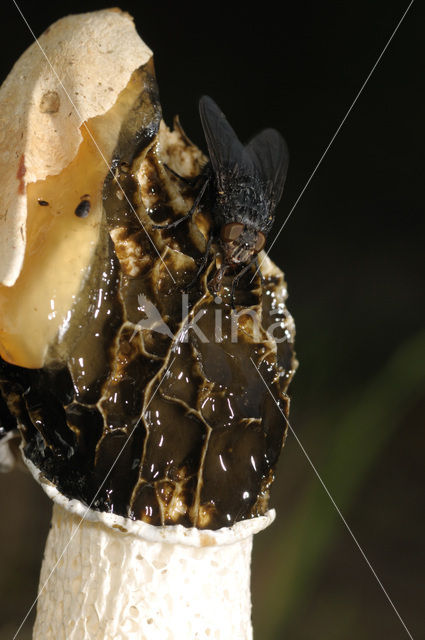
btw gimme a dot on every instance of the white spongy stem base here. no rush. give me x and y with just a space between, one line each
99 582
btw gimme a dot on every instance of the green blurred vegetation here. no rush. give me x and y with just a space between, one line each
372 414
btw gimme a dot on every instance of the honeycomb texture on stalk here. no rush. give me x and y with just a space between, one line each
156 403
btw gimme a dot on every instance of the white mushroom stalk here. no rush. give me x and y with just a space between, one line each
108 577
134 388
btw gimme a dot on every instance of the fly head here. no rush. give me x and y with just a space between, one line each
241 243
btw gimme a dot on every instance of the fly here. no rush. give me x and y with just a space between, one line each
243 184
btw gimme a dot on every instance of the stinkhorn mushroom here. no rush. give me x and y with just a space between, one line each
137 397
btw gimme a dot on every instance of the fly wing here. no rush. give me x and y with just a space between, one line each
225 150
269 154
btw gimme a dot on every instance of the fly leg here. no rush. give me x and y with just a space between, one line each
258 270
191 182
189 214
236 280
202 265
215 282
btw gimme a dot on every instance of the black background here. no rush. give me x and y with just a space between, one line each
352 252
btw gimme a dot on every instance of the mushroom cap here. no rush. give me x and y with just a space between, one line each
176 421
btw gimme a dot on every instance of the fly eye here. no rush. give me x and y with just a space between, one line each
231 231
260 242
